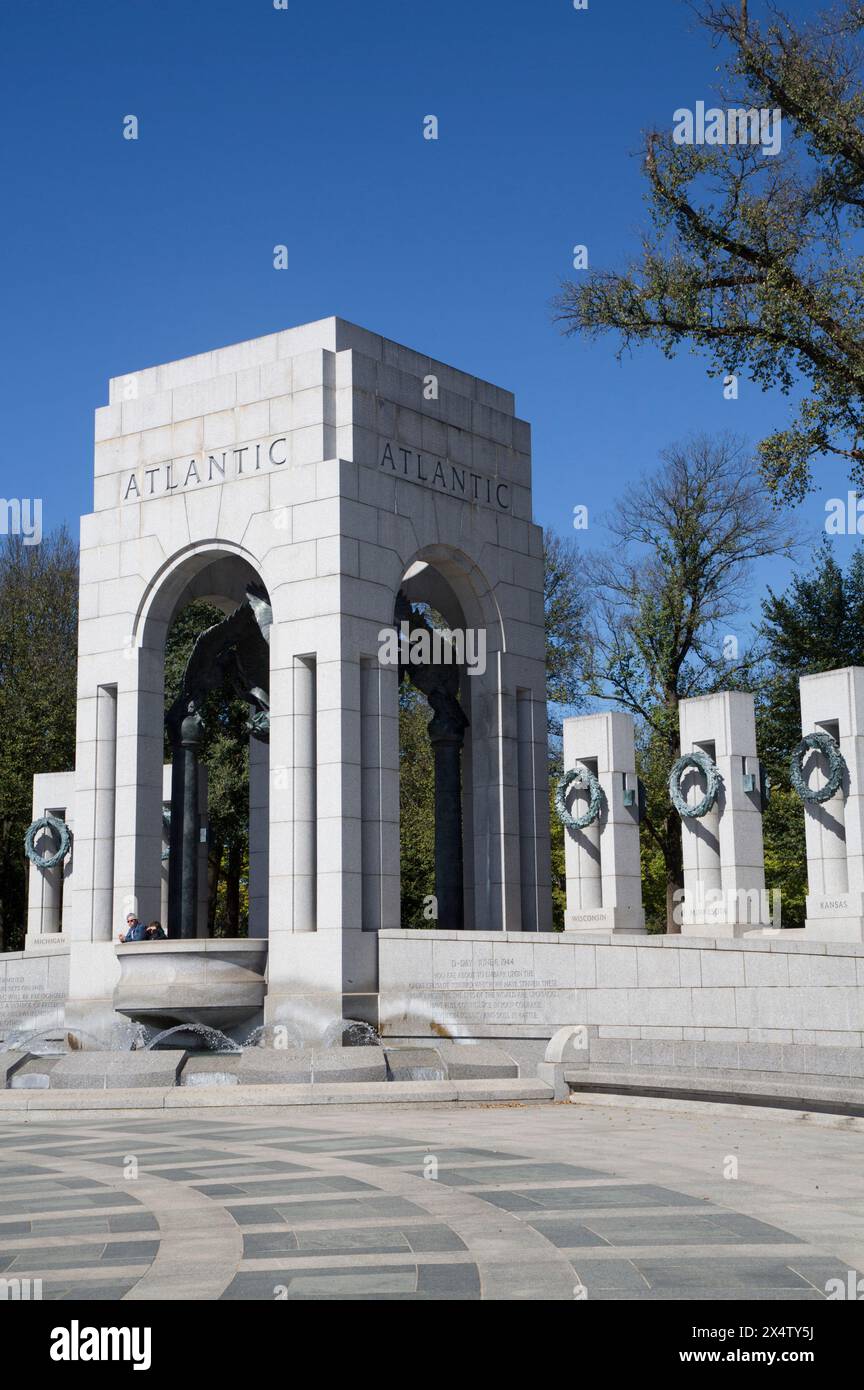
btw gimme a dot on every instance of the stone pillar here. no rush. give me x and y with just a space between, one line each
203 846
165 852
52 897
379 705
604 886
45 886
103 848
175 838
259 830
190 833
833 703
140 761
703 875
95 921
724 873
305 780
533 809
187 856
163 896
322 965
493 739
48 890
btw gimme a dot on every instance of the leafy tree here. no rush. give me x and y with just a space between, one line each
38 664
686 538
565 606
416 807
556 845
784 848
755 259
817 624
565 610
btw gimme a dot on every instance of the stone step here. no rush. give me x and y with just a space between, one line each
792 1091
253 1066
472 1091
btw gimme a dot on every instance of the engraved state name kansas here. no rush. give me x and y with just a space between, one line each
272 454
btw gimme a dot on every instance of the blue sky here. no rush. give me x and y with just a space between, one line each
304 127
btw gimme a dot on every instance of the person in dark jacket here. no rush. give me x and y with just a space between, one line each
154 932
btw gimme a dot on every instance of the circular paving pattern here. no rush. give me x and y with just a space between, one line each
514 1202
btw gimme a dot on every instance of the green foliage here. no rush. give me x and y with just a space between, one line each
556 836
654 885
660 831
38 668
755 259
225 754
816 625
566 587
686 538
416 807
565 605
785 852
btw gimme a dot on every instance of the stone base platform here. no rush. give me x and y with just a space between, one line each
835 918
256 1066
612 919
47 1104
834 929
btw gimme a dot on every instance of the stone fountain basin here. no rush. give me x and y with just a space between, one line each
219 982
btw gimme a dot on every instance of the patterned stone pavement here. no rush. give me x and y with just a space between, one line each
515 1202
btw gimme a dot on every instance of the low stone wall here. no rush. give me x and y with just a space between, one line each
761 1004
33 988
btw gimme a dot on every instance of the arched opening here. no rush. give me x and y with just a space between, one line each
451 639
209 615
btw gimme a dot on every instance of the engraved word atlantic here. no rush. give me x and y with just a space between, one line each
259 456
245 460
446 477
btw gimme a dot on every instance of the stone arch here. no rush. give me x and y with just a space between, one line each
453 583
216 571
456 579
